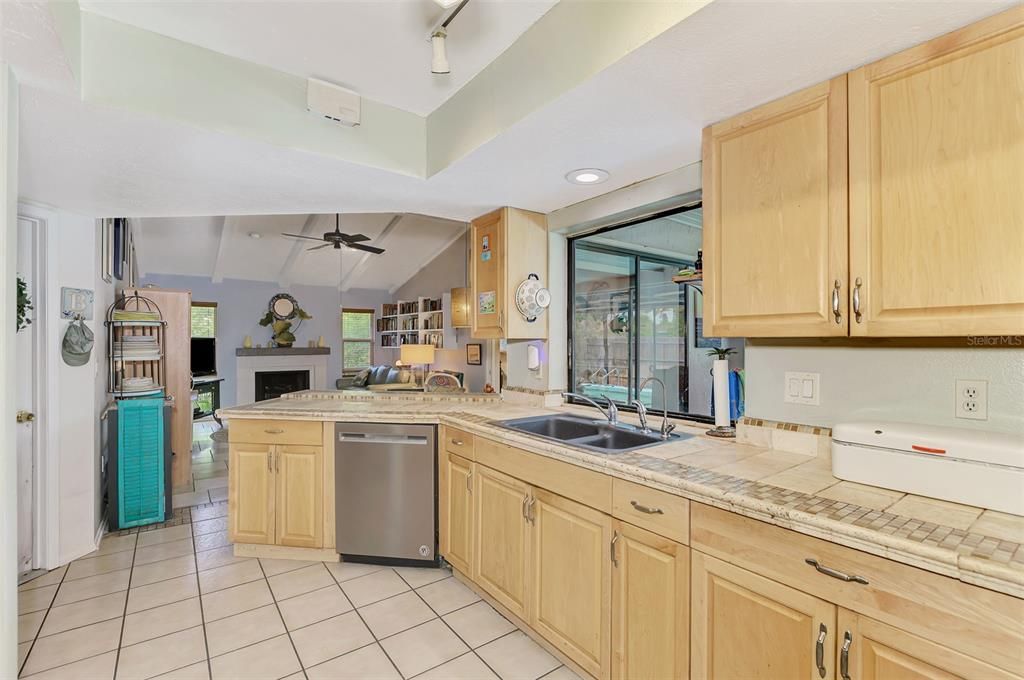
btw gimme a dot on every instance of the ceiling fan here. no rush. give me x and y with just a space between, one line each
337 239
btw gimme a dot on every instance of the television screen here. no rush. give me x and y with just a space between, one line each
204 356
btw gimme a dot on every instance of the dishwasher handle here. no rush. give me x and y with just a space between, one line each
403 439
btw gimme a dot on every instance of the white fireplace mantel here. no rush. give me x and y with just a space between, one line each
249 362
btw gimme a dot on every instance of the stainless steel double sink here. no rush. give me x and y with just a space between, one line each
586 433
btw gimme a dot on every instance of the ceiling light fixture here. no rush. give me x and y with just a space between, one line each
439 34
587 176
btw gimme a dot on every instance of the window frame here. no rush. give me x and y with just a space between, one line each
634 348
341 322
215 315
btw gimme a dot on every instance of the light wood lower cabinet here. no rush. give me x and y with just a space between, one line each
251 493
747 626
871 650
275 494
650 605
457 520
571 578
299 506
499 538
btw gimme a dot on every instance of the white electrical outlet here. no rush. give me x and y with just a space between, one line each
802 388
972 399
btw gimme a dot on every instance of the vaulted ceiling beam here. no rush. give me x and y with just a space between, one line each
286 276
227 229
379 241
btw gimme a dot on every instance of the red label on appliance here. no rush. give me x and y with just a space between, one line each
926 449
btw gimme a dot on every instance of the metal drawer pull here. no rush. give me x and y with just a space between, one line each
274 431
615 539
530 517
856 300
646 510
457 442
844 656
835 573
525 501
835 303
819 650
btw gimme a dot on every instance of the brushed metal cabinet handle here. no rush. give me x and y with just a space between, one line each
274 431
526 499
856 300
469 482
819 650
835 573
835 303
844 656
530 516
645 509
457 442
615 539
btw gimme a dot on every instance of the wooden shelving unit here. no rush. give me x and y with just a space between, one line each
126 364
424 321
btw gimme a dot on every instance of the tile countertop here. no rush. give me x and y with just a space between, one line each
791 490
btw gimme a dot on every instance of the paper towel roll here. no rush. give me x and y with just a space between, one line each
720 372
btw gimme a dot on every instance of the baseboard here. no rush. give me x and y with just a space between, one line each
283 552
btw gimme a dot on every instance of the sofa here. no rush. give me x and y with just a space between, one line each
381 377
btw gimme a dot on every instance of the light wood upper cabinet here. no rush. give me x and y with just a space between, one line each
571 604
506 246
775 218
746 626
870 650
500 538
299 503
650 605
936 173
251 493
457 516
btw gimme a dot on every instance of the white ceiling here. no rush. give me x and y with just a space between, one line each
379 48
640 117
224 248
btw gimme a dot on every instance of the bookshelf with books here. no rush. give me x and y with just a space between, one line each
425 320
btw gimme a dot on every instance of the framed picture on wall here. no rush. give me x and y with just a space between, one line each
474 354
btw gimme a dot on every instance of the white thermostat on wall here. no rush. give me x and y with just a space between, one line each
333 102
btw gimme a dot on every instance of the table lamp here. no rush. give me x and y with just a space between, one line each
417 354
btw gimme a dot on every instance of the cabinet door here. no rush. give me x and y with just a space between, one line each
936 170
775 218
746 626
571 579
650 605
458 521
300 512
487 297
499 537
251 493
871 650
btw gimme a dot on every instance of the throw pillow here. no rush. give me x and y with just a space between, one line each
361 378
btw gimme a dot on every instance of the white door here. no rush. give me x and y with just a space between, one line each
26 399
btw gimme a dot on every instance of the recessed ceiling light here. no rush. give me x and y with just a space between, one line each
255 235
587 176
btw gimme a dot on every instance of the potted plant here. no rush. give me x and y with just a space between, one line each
283 333
24 305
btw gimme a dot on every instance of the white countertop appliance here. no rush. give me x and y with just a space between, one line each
984 469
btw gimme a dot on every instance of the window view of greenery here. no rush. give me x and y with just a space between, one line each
204 321
356 339
631 320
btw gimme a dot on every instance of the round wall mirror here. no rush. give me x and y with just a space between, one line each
283 306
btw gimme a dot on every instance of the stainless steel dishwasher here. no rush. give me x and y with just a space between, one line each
385 492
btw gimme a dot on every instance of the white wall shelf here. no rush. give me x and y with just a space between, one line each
426 326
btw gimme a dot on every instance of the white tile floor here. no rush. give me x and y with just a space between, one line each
176 603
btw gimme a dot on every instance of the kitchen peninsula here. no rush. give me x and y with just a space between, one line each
646 548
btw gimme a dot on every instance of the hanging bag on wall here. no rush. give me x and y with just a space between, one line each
77 344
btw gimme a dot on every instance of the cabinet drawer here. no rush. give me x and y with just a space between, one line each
458 442
276 432
651 509
575 483
978 622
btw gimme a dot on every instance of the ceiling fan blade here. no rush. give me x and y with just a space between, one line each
354 238
326 245
369 249
301 236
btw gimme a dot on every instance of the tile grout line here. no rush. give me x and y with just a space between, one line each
42 623
127 597
199 594
363 621
284 625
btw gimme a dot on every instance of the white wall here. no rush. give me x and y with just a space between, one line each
9 466
913 384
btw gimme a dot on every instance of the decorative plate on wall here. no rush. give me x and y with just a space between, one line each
532 298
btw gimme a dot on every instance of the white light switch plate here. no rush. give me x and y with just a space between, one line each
802 388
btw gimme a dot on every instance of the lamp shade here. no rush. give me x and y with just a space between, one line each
417 354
